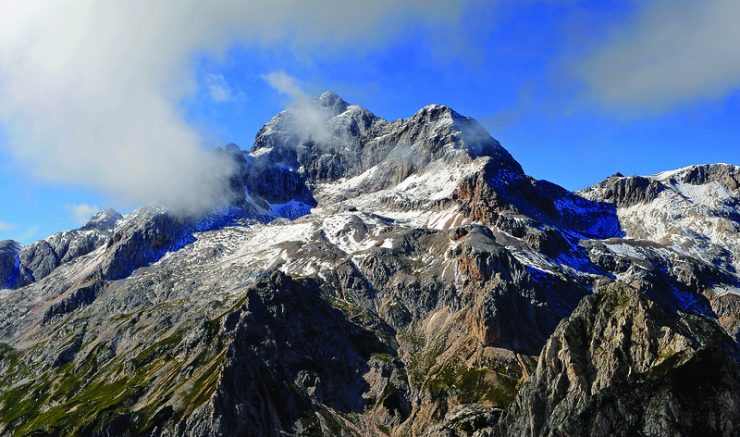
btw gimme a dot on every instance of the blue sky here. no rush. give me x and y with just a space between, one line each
575 90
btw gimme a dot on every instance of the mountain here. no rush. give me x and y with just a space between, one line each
24 265
374 277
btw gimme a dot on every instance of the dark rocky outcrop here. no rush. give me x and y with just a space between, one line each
9 263
280 370
144 240
624 365
38 260
77 298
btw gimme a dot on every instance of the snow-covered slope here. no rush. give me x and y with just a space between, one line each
692 212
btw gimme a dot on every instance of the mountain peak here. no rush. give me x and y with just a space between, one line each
331 100
345 140
436 111
104 219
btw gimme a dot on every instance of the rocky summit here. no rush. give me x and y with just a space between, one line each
385 278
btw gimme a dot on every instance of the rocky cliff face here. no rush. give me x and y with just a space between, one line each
622 364
400 278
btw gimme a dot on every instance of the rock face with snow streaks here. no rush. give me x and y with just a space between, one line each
374 277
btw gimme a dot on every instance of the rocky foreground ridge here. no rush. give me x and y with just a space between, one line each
376 278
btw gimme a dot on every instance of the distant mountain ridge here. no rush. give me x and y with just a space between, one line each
374 277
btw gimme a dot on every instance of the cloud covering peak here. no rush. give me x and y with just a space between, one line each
89 90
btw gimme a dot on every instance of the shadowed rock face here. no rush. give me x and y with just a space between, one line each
9 251
623 365
280 369
376 278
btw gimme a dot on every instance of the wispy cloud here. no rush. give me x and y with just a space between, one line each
29 234
6 227
513 114
24 235
286 84
674 51
218 89
82 212
309 119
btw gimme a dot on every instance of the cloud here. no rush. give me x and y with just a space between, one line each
286 84
6 227
89 91
218 89
508 116
28 235
308 117
673 52
82 212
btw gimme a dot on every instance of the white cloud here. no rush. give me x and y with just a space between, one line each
6 227
673 52
82 212
89 90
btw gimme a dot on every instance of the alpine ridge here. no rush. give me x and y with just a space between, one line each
384 278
